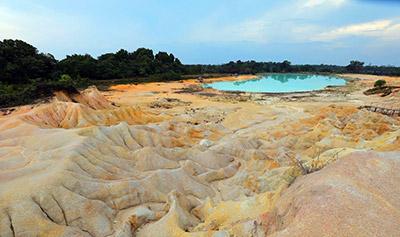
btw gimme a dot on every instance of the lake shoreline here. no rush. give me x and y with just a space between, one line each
269 82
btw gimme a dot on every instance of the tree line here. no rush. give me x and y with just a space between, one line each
253 67
21 62
26 73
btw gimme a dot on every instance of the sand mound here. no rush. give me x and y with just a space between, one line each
90 97
76 115
88 108
80 166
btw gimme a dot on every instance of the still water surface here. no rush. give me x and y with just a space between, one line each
280 83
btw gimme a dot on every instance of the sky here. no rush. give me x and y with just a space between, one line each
212 31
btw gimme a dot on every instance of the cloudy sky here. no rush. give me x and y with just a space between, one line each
212 31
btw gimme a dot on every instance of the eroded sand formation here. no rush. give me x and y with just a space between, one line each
85 166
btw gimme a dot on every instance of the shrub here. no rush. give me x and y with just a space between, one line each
168 76
65 78
380 83
13 95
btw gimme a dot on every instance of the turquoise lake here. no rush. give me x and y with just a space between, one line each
275 83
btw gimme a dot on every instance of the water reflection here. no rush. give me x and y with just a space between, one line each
280 83
283 78
238 83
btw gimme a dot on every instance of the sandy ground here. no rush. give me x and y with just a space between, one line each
136 94
246 110
370 79
145 94
137 159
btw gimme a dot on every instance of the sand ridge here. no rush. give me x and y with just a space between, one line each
137 159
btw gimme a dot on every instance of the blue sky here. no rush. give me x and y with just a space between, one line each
212 31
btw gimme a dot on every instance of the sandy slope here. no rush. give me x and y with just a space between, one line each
146 160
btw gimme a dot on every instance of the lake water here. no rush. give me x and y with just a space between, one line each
280 83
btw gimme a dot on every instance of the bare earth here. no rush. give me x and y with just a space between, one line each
173 159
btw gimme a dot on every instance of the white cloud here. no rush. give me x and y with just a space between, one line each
318 3
383 29
288 22
392 33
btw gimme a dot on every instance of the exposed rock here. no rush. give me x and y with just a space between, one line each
206 143
168 103
382 90
357 196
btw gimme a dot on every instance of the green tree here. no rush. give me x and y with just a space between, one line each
143 61
355 66
65 78
78 66
380 83
20 61
286 66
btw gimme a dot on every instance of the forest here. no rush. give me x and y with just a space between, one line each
27 74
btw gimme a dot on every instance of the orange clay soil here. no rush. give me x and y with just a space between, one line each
146 161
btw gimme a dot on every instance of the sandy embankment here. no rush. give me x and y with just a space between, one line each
165 89
149 160
370 79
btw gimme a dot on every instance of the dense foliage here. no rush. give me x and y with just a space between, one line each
20 62
27 74
253 67
122 64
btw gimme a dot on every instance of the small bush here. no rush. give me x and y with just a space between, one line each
13 95
65 78
380 83
168 76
